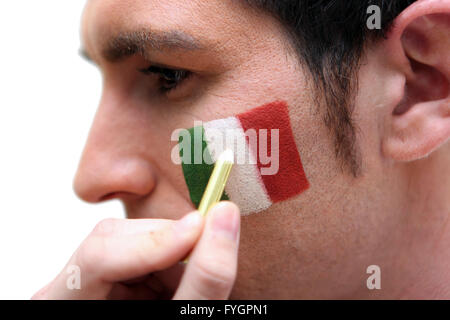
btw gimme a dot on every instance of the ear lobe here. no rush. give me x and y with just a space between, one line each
419 131
420 123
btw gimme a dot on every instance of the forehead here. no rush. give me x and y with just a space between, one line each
214 21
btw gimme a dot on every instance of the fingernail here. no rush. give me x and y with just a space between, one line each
189 222
226 218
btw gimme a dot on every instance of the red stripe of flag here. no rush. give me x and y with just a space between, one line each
290 179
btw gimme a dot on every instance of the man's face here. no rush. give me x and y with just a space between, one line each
314 244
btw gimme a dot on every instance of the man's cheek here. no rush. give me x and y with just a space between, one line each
268 166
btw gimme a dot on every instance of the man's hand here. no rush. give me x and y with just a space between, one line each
131 259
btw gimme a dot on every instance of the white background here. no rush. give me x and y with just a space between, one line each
48 98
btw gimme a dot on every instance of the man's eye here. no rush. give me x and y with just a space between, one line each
169 79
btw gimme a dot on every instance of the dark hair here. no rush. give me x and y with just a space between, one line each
329 37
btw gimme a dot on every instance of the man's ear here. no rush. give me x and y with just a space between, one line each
419 46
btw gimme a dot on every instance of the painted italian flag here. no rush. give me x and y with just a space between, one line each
257 182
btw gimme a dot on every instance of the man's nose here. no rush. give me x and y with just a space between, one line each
112 164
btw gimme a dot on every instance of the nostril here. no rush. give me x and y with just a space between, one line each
119 195
108 196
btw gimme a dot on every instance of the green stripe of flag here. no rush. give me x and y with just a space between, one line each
197 175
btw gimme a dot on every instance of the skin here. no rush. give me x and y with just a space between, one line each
316 245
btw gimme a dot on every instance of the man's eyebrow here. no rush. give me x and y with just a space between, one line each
129 43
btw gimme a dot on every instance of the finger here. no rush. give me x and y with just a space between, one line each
112 254
211 271
123 227
122 257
